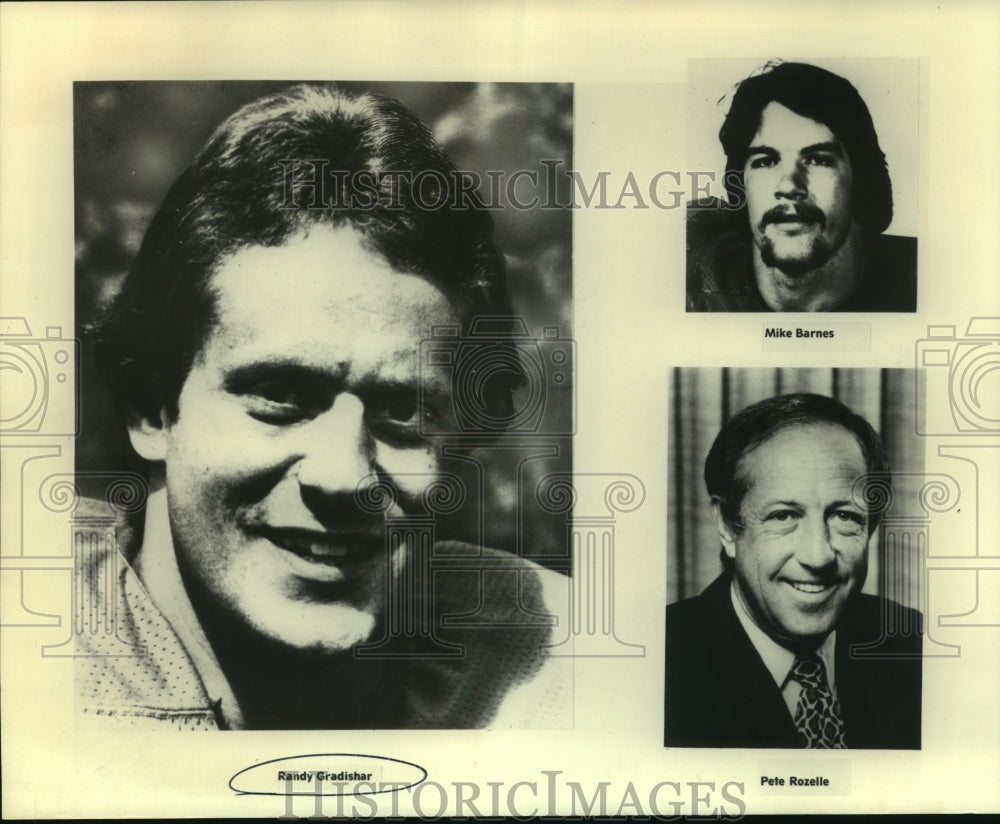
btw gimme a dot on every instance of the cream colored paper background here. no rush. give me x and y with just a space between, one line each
628 63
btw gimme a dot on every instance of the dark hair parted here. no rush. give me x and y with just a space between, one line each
829 99
255 183
761 421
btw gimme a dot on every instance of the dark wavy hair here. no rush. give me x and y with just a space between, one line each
754 425
829 99
236 194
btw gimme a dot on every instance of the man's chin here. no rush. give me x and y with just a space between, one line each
325 629
793 264
807 632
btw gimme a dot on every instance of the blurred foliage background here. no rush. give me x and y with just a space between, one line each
133 139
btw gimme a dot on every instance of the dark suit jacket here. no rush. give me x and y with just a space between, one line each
720 694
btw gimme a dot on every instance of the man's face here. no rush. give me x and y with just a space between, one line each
306 384
798 181
803 548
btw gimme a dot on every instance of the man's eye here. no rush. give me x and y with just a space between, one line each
276 392
846 516
405 412
821 160
398 420
279 402
782 515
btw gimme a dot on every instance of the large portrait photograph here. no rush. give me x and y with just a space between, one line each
328 346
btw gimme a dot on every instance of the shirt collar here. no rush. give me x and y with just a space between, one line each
776 658
156 566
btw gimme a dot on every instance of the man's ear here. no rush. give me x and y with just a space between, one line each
725 532
148 434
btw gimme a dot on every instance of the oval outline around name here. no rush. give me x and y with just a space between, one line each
392 789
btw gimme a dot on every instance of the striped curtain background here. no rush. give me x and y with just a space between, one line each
702 399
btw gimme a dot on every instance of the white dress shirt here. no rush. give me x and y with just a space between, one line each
779 661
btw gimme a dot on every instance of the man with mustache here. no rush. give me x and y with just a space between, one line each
808 200
263 353
772 653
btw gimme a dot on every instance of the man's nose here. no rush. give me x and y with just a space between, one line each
339 451
815 549
792 182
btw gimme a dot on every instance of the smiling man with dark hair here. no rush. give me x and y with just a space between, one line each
764 656
263 354
808 200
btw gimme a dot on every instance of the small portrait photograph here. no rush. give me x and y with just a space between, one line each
795 596
327 345
809 179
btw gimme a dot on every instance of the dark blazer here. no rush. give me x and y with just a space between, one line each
720 694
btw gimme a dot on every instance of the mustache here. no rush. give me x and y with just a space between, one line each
804 212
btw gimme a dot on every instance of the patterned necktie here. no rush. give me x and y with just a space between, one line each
817 716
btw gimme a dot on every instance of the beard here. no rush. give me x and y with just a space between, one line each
818 254
802 261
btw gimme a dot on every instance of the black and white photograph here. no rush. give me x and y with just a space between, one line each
814 175
783 631
301 301
395 421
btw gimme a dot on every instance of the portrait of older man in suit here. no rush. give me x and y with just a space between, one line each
764 656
